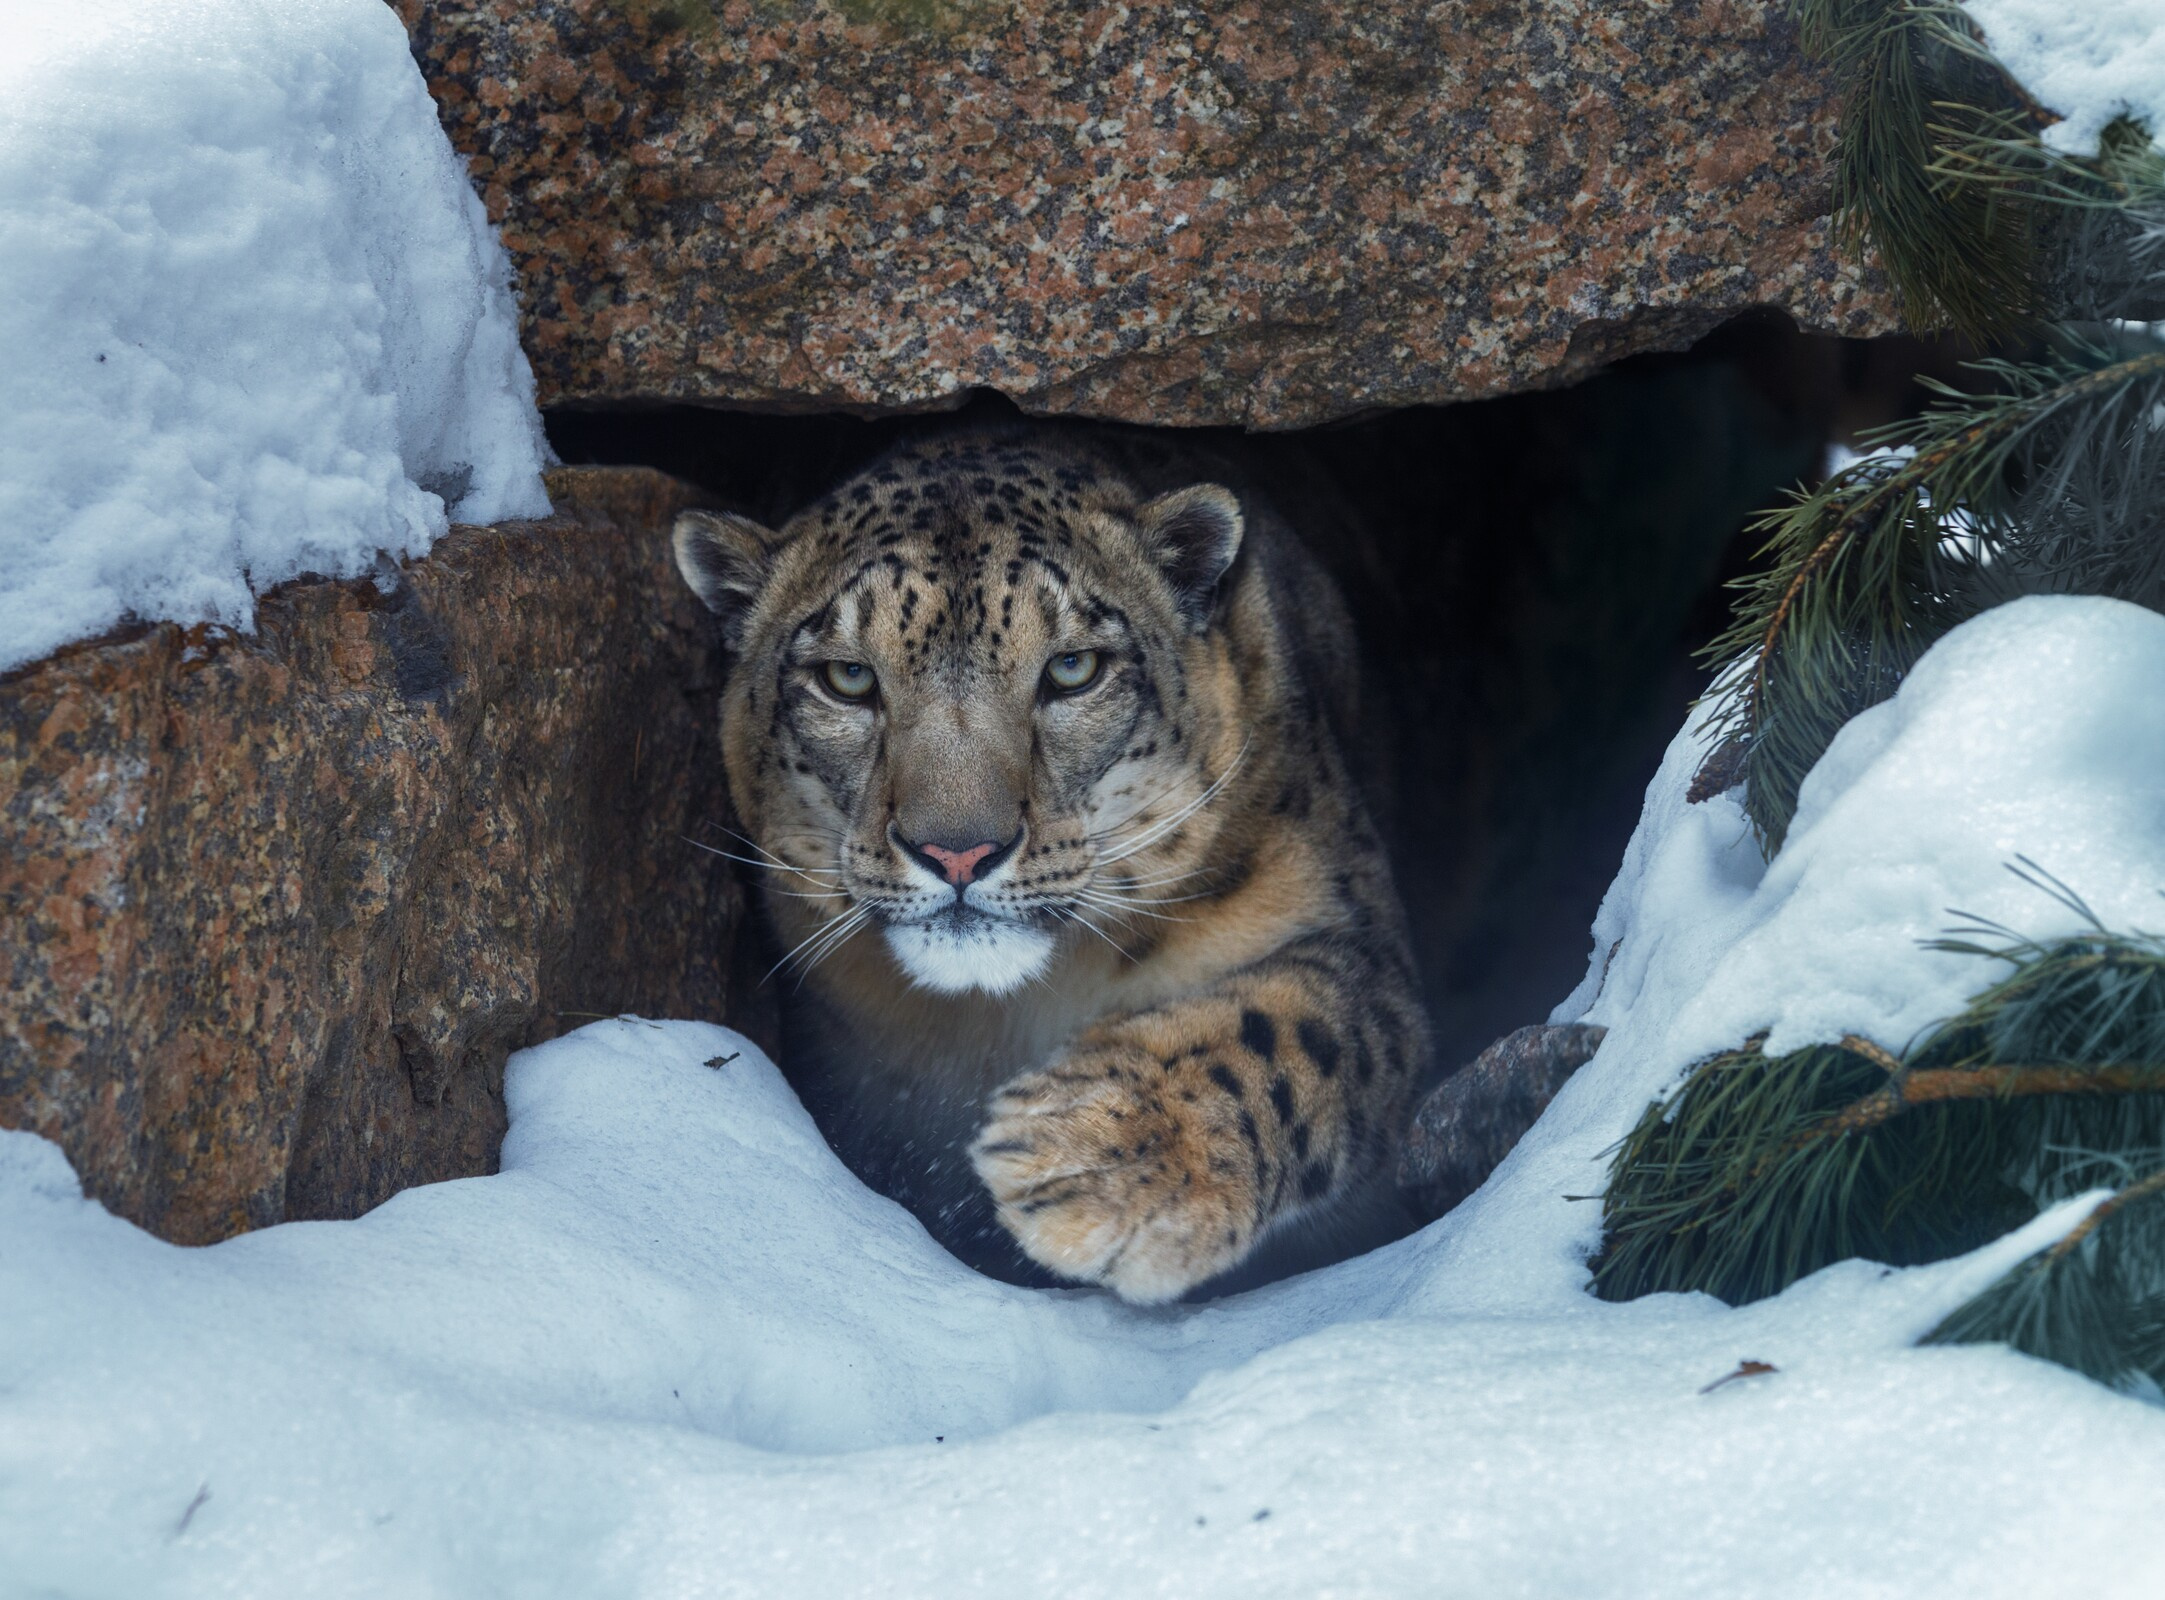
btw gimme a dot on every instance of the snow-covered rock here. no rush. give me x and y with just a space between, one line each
2089 60
674 1349
255 320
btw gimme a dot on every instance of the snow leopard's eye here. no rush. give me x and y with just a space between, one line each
1070 671
852 680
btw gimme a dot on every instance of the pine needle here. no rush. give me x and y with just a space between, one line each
1935 146
2048 478
2094 1301
2051 481
2050 1082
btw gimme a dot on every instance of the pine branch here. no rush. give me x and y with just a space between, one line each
2054 482
2094 1300
2080 1234
2124 173
1759 1170
1929 160
2050 1082
2047 482
1926 1088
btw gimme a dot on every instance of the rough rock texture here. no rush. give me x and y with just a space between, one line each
277 906
1265 212
1466 1127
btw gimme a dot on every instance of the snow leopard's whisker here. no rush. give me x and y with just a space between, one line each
1118 948
1126 907
809 939
825 950
1163 880
819 837
840 935
1117 884
1071 914
1105 903
1165 825
729 855
1159 829
810 875
751 843
820 941
1145 902
768 855
1108 832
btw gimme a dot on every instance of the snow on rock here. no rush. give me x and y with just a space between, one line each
2090 60
256 321
674 1349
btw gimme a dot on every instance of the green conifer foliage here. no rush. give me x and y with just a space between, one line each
2048 1084
1935 143
2046 475
2050 479
2094 1301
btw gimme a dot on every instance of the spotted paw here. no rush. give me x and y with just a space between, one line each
1102 1178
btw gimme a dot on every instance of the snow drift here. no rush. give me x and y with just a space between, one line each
256 323
674 1349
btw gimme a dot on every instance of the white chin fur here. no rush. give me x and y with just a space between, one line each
955 957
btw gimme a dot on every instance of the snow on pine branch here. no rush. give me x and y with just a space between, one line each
256 323
2092 61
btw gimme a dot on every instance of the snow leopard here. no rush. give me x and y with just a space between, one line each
1039 742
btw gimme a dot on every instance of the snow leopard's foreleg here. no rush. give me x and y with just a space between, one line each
1162 1146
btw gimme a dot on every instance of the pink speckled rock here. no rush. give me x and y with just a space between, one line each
1263 212
278 905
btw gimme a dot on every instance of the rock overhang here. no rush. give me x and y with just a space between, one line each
1258 214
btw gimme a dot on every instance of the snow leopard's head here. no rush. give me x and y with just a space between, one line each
970 700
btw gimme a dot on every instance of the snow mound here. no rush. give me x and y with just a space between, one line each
2090 60
256 321
675 1349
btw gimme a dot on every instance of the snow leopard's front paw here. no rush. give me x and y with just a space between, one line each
1105 1174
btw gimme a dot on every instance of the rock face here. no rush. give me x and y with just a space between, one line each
277 906
1466 1126
1262 212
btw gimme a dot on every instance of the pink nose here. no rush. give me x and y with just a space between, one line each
958 864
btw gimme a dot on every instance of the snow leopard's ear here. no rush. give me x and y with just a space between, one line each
1193 534
725 558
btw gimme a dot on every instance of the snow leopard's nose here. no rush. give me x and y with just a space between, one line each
962 865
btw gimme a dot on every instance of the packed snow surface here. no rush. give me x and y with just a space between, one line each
675 1349
255 320
2089 60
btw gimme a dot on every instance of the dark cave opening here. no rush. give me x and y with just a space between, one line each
1532 577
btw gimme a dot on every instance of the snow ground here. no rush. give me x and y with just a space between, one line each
256 323
674 1349
2089 60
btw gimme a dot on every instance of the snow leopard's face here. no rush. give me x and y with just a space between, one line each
962 708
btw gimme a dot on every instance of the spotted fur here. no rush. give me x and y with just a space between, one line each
1178 1019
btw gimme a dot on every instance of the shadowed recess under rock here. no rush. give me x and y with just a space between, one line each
1529 576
